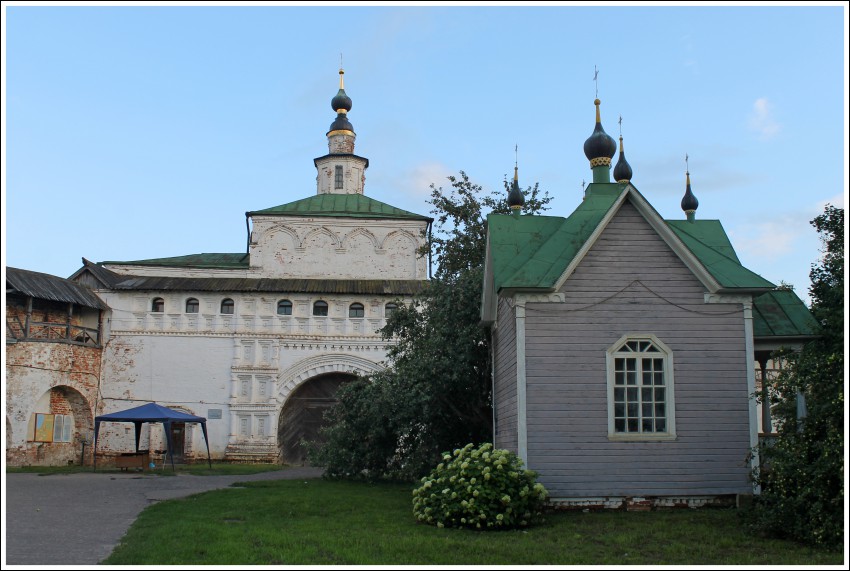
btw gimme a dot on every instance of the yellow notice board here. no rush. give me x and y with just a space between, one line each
43 427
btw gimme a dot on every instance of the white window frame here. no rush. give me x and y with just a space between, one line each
62 424
670 402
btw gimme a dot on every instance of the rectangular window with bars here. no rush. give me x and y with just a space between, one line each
338 177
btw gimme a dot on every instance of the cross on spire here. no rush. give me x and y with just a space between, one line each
687 169
596 80
621 125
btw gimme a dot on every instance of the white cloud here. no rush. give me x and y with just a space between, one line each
838 201
761 119
767 241
418 181
410 188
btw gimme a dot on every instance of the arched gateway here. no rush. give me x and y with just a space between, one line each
302 415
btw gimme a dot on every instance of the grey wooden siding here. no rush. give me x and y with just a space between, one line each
505 377
632 282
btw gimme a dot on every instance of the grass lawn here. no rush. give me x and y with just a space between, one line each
218 469
318 522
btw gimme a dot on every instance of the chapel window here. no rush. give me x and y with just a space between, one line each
158 305
192 305
640 389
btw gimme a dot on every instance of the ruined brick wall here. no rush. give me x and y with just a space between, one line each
63 375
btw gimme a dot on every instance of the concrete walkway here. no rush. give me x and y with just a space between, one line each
78 519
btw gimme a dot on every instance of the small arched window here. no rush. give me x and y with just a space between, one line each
284 307
158 305
320 308
192 305
389 309
227 306
356 310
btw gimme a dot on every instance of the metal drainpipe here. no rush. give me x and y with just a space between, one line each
493 382
104 343
248 240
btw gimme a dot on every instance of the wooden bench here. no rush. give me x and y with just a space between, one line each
133 460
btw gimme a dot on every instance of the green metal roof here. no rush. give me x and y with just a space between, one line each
780 313
707 240
531 252
340 205
225 261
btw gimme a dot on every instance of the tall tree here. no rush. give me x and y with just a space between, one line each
803 484
435 395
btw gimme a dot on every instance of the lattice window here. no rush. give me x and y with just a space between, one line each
640 388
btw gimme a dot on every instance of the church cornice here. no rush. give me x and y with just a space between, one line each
332 156
303 341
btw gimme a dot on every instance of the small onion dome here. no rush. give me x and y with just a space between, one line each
341 103
623 171
599 148
341 123
689 202
515 196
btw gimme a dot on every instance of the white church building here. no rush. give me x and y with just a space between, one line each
259 342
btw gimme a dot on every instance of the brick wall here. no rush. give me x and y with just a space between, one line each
67 375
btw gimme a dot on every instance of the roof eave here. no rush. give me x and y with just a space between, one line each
744 290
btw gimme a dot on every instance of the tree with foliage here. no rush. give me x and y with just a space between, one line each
435 394
802 495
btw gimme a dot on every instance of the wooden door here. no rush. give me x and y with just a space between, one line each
178 440
303 415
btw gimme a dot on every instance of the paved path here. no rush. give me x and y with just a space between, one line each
78 519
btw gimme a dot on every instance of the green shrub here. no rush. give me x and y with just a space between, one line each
479 488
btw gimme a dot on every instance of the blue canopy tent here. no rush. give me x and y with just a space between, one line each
151 412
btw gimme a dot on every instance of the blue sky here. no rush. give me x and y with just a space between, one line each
148 131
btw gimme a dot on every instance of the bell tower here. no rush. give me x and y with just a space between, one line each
341 171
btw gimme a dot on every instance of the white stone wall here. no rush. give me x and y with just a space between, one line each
337 248
353 175
242 366
253 314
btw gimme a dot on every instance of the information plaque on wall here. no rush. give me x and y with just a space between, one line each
214 413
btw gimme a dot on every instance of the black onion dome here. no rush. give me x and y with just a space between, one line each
600 144
341 123
622 171
341 101
515 196
689 201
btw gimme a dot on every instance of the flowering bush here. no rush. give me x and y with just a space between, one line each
479 488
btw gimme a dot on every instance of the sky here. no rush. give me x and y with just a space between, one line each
147 131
